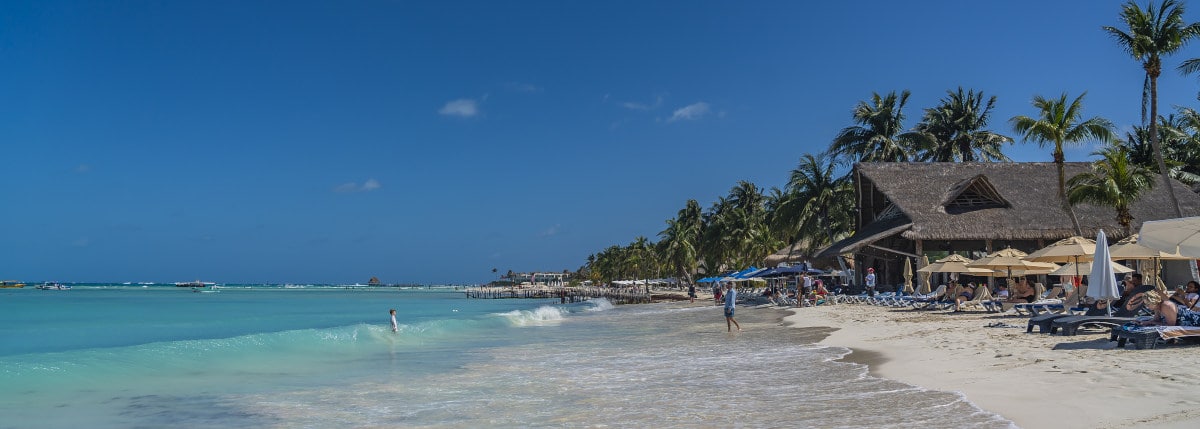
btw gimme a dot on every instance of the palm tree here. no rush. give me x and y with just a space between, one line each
956 130
824 201
1154 33
1184 149
1114 181
1176 144
681 240
879 135
1059 123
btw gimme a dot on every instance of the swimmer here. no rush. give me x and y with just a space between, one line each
395 327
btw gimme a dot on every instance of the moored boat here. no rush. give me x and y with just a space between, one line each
11 284
53 286
196 283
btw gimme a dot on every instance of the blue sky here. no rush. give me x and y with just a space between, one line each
430 142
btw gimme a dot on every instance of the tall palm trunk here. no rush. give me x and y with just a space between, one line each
1062 189
1153 70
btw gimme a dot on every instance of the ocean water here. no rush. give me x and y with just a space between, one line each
130 357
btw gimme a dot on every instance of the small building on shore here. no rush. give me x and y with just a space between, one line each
905 209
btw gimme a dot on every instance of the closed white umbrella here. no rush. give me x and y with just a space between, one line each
1102 282
1180 236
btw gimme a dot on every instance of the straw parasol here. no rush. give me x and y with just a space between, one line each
1012 261
954 264
1070 249
925 288
1074 269
908 274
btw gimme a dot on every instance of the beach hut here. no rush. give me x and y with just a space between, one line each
908 208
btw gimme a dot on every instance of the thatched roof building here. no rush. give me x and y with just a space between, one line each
905 209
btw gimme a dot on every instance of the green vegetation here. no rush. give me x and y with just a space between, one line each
816 207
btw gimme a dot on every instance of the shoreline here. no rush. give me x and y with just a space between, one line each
1035 380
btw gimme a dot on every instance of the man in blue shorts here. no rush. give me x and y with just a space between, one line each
730 300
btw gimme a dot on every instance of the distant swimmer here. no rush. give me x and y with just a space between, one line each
395 327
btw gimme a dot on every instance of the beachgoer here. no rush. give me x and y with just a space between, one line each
1131 303
1193 295
730 301
808 283
964 294
395 327
1166 312
870 280
1022 292
692 292
1002 291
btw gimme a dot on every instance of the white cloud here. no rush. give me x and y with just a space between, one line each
350 187
633 105
522 87
690 112
550 231
464 107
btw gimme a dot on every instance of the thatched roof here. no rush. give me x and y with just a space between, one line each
982 201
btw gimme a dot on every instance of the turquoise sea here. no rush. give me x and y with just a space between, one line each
114 356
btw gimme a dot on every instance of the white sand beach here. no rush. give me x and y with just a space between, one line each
1036 380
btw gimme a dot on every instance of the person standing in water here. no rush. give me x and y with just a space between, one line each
730 300
395 327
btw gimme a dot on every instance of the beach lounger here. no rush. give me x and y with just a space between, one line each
923 301
1149 337
980 296
1044 298
1070 325
1043 321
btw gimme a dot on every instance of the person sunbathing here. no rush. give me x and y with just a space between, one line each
964 294
1002 292
1166 312
1022 292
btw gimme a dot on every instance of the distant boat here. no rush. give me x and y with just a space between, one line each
11 284
196 283
212 288
53 286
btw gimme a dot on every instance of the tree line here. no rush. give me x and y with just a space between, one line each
814 209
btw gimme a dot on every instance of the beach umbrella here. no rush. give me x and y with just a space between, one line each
1073 269
1102 282
908 274
1036 268
954 264
925 288
1012 262
1130 249
1180 236
1070 249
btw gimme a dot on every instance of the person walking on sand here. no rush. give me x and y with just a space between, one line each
870 280
692 292
730 300
395 327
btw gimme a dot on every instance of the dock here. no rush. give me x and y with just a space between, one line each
618 296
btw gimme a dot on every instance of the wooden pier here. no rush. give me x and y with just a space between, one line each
617 296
